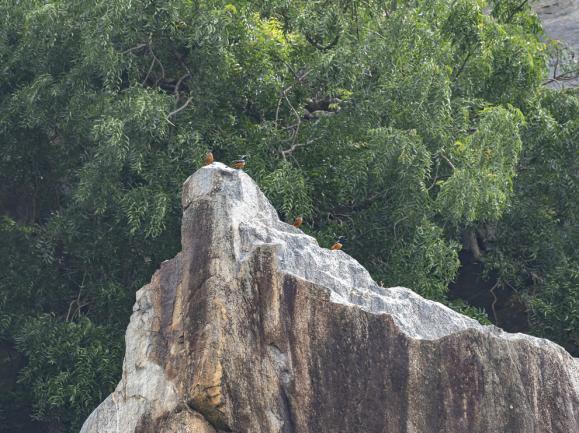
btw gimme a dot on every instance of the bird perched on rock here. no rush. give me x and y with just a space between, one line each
208 158
338 244
239 163
298 221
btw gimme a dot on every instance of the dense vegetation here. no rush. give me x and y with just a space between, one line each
419 129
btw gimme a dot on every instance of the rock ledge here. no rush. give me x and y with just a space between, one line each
255 328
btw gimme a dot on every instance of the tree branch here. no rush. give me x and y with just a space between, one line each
296 114
462 66
495 299
181 108
138 47
323 47
283 94
148 73
178 85
160 64
567 76
448 161
155 60
435 177
519 8
288 152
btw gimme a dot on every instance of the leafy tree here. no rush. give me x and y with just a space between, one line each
418 129
535 257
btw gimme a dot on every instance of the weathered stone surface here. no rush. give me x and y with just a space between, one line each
560 19
253 328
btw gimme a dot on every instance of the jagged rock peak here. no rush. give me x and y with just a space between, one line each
254 328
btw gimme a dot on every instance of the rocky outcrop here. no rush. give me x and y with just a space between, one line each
253 328
560 19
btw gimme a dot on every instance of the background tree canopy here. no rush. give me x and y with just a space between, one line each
419 129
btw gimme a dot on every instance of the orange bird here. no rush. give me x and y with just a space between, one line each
239 163
298 221
338 244
208 158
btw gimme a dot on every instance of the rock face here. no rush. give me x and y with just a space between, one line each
253 328
560 20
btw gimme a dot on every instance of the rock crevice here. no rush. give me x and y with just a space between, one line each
255 328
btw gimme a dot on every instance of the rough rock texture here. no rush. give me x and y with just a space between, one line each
560 20
253 328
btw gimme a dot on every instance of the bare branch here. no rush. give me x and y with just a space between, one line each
69 310
556 63
148 73
72 313
394 228
138 47
277 110
495 299
288 152
298 118
178 85
160 64
448 161
181 108
292 126
299 79
567 76
435 177
155 60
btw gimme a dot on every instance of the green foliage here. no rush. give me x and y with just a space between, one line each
555 306
70 366
426 262
401 125
288 190
536 252
481 182
469 310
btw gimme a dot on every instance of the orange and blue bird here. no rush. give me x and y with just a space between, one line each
238 164
208 158
338 244
298 221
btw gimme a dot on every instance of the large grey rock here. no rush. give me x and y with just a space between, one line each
255 328
560 19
